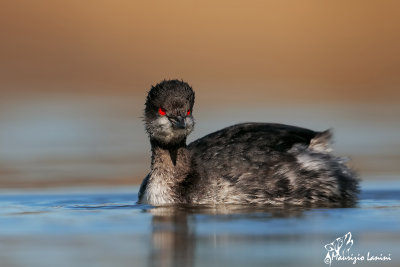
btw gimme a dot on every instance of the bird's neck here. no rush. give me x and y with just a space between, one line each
166 154
170 165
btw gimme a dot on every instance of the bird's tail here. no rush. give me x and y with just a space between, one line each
322 142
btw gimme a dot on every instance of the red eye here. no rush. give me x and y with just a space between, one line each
188 112
162 111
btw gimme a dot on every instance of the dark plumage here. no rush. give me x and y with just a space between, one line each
249 163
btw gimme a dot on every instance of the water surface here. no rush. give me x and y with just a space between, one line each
104 227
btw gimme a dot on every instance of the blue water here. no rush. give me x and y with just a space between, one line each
104 227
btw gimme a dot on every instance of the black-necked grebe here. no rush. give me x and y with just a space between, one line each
249 163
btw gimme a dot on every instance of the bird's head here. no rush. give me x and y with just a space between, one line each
168 112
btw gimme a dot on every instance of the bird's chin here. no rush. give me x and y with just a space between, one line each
173 137
164 132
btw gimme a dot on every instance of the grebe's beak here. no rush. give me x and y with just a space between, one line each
178 122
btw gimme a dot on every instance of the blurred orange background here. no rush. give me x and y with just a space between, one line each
74 75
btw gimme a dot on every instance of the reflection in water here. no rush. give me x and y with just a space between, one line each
173 229
173 241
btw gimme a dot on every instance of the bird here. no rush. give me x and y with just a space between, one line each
253 163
